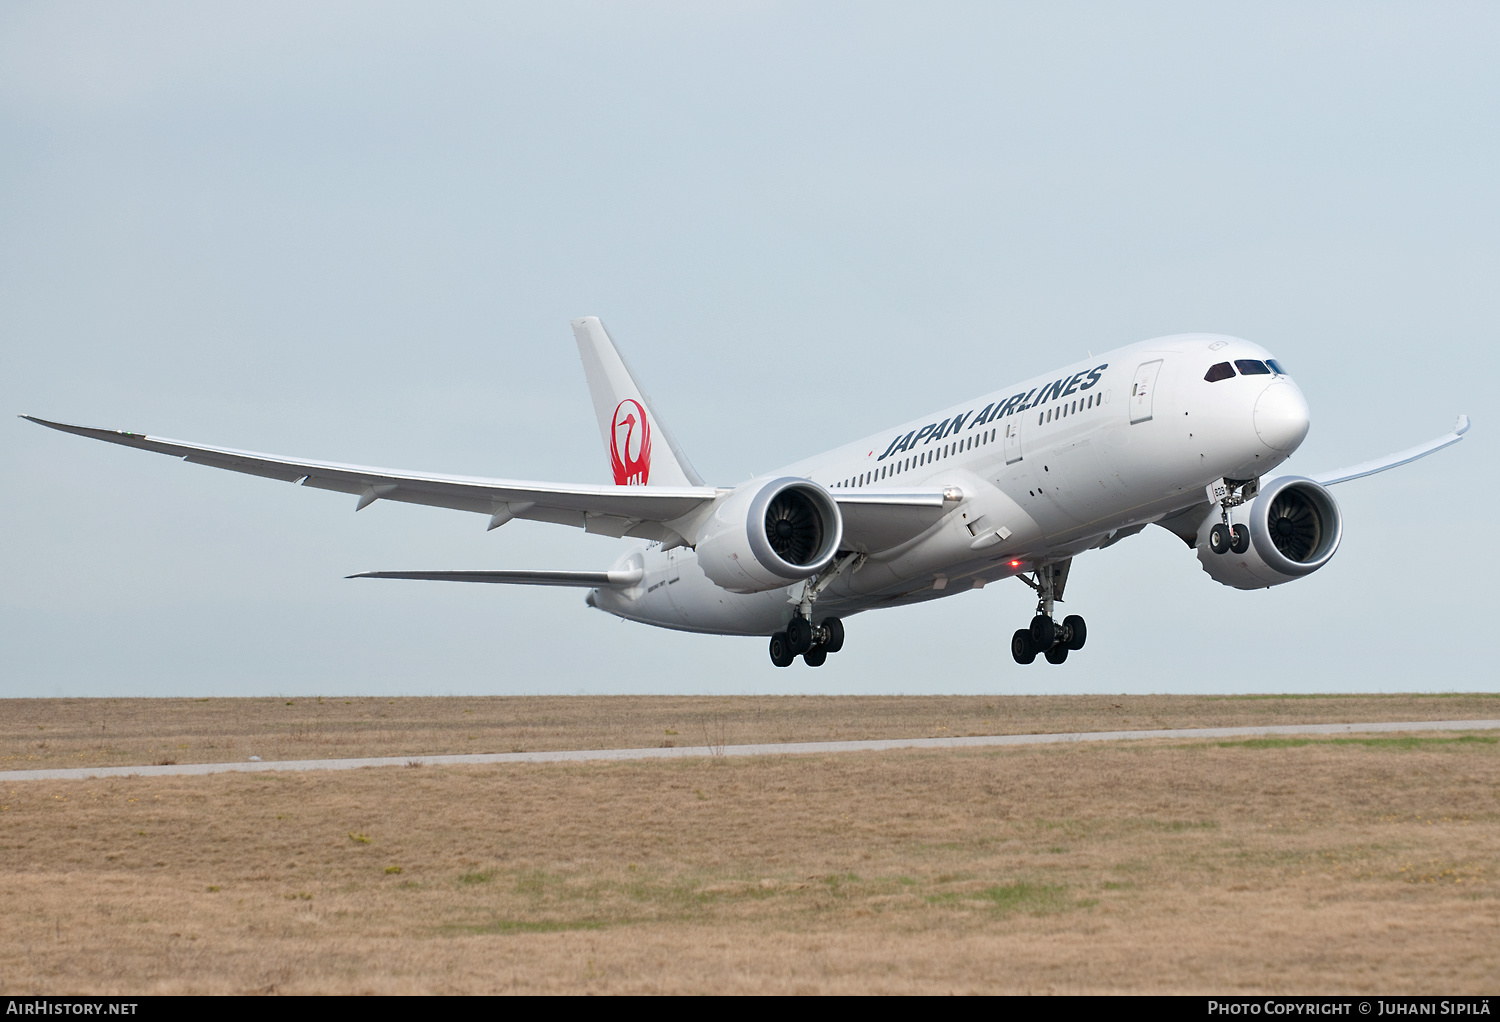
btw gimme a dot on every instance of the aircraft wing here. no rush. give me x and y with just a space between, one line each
609 510
874 520
1406 457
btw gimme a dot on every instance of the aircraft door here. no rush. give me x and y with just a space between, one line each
1013 441
1143 390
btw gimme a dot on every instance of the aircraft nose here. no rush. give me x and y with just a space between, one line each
1281 418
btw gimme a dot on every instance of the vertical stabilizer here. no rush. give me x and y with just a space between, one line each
642 450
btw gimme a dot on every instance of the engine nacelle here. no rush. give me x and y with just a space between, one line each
766 535
1295 527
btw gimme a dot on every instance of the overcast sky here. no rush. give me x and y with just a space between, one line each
357 232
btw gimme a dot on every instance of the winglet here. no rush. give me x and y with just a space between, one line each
619 401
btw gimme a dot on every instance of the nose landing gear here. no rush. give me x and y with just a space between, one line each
1045 636
1228 493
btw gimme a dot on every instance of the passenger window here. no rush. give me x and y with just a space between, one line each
1251 367
1276 367
1222 371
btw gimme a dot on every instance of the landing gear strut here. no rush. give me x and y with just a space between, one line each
1230 493
812 642
1046 636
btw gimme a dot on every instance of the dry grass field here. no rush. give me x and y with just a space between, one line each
37 733
1276 865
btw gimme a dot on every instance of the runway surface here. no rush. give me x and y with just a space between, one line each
783 749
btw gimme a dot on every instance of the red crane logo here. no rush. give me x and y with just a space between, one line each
630 469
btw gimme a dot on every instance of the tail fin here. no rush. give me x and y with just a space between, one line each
627 420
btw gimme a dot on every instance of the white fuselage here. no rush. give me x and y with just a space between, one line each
1048 468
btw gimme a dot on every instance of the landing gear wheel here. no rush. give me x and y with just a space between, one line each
1057 654
1076 632
1043 632
1219 539
815 657
1021 647
835 635
1239 538
781 653
798 635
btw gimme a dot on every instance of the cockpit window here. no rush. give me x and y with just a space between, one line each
1222 371
1252 367
1276 367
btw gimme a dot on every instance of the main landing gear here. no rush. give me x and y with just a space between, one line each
811 642
1045 636
802 638
1228 493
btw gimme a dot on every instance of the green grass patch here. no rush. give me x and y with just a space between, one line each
1406 742
1024 897
1005 899
474 878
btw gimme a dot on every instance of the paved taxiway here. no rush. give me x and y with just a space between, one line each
780 749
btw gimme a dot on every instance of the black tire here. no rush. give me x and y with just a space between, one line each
1021 647
1239 538
798 635
1043 632
1076 631
781 654
815 656
1057 654
1219 539
835 635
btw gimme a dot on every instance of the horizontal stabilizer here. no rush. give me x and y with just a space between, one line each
617 579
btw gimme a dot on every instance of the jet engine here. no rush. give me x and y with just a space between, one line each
769 534
1295 527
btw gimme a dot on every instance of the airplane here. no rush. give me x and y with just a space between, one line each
1180 432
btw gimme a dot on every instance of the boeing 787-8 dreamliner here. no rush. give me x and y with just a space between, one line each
1180 432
